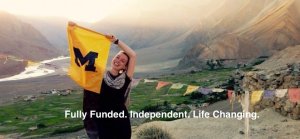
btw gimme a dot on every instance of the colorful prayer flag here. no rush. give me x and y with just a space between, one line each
217 90
256 97
230 95
268 94
176 86
294 95
88 57
135 82
161 84
280 92
190 89
205 91
149 81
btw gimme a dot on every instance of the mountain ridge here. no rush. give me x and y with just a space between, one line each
22 40
270 30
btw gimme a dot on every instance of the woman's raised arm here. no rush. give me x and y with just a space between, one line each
131 53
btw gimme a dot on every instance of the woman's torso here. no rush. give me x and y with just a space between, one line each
112 94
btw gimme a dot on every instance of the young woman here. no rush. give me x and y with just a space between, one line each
113 97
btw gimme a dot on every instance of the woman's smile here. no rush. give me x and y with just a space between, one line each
116 64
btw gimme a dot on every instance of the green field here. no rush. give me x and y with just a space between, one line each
145 94
46 114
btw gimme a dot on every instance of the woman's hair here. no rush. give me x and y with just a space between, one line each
126 56
126 65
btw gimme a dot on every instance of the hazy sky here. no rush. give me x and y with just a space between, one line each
86 10
80 10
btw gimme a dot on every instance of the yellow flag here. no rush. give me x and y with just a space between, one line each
190 89
88 54
256 97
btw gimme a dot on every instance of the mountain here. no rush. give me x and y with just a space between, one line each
53 28
276 28
20 42
289 55
258 28
23 41
192 31
157 34
237 14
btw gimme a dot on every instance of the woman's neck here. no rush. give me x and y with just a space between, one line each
114 72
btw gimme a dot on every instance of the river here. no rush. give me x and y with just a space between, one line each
42 68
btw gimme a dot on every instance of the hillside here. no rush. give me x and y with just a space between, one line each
280 59
276 28
240 13
10 67
22 40
269 125
152 44
256 29
53 28
160 34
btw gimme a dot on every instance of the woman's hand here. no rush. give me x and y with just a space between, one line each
127 50
112 38
71 23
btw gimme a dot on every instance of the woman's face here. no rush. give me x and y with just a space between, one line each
119 61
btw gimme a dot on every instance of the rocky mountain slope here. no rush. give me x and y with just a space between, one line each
281 59
53 28
22 40
161 33
258 28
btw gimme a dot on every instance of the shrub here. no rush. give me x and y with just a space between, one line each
153 132
151 108
192 72
41 125
258 61
166 103
196 95
186 102
193 82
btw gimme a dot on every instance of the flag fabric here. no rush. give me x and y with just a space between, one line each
268 94
135 82
161 84
294 95
230 95
280 92
256 97
233 97
149 81
176 86
217 90
88 57
190 89
205 91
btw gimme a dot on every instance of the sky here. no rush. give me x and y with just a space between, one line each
77 10
87 10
